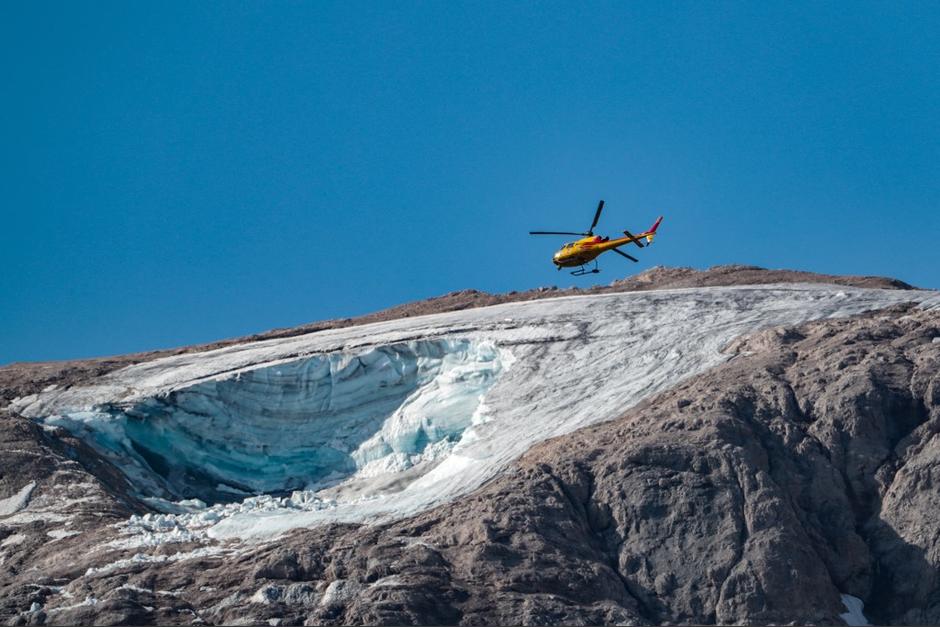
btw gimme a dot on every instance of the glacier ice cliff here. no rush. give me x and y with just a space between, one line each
300 425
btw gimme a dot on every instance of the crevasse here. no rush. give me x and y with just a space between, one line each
300 425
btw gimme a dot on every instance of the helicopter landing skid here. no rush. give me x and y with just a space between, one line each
582 270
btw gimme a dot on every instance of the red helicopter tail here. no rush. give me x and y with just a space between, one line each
652 232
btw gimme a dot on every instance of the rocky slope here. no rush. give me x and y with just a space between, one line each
759 491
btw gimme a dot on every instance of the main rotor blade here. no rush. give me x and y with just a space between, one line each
625 255
597 216
633 237
555 233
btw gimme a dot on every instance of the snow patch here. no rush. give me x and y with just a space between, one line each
18 501
58 534
89 600
294 594
340 592
192 524
142 558
14 539
854 615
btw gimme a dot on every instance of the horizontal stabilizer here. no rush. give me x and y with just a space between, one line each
636 240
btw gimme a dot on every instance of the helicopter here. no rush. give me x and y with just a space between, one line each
590 246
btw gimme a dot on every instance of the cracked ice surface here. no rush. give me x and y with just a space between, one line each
299 425
485 385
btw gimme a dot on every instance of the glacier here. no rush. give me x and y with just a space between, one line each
380 421
301 425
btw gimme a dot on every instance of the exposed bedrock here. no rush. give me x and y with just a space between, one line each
758 492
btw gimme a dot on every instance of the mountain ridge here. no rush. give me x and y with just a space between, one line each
23 378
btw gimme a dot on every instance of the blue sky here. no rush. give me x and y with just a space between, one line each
183 172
